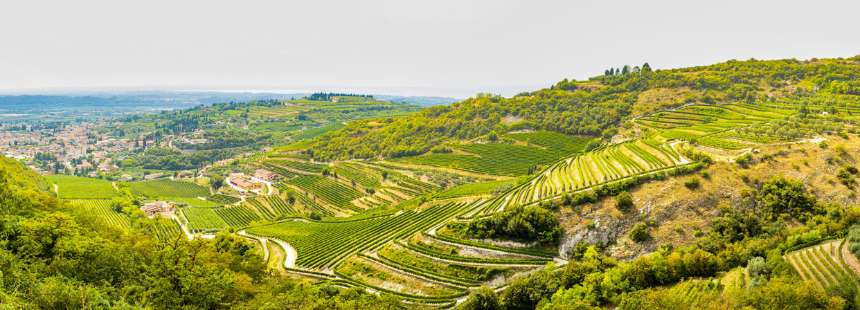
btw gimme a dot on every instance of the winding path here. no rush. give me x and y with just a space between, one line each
292 255
183 227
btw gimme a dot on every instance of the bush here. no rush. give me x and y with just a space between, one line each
758 270
846 176
624 201
483 298
784 196
640 233
853 239
530 223
744 160
692 183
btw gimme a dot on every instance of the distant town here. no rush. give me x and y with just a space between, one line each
71 149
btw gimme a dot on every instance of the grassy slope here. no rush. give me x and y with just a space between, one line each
72 187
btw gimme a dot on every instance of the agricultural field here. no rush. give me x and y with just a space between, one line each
328 190
164 229
559 144
372 274
321 245
477 189
307 203
202 219
192 202
826 264
454 252
223 199
237 216
393 254
168 188
601 166
457 273
72 187
737 126
501 159
342 188
299 166
273 207
360 175
102 211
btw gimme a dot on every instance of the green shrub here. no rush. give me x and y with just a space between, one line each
784 196
846 176
624 201
483 298
692 183
529 223
744 160
639 232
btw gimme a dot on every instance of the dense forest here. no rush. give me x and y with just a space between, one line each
599 105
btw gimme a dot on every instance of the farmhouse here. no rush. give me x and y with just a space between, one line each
243 183
163 208
265 175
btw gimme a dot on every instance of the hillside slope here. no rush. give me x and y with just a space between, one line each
55 256
597 106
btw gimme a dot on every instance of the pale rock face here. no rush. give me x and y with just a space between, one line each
605 230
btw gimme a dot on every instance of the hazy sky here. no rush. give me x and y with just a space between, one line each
437 47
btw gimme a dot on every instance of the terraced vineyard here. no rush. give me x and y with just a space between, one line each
297 165
280 206
393 254
202 219
304 200
283 172
346 187
373 274
168 188
237 216
410 254
321 245
362 176
402 182
457 273
454 252
101 209
271 207
223 199
165 229
72 187
330 191
587 170
558 144
717 126
826 264
488 158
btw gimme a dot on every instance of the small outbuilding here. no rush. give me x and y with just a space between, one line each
162 208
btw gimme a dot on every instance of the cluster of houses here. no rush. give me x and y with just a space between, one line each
239 181
255 183
75 147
